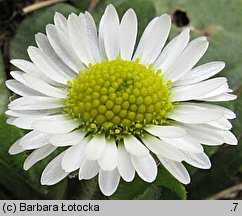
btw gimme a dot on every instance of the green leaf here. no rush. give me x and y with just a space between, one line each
164 187
225 165
3 196
166 180
16 184
8 135
12 177
33 24
237 123
81 4
84 189
4 93
223 13
57 191
11 169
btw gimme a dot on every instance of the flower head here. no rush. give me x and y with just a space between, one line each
112 109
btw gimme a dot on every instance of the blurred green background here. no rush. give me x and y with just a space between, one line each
219 20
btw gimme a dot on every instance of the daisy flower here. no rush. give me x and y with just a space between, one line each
115 111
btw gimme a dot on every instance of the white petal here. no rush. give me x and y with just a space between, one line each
108 181
205 134
53 173
33 140
77 32
38 155
194 114
42 87
61 44
185 144
17 75
25 122
29 68
60 21
172 50
67 139
101 38
128 33
57 117
13 113
28 89
166 131
55 126
153 39
134 146
187 59
176 169
229 138
199 160
160 147
23 113
111 32
109 159
229 114
73 156
222 89
222 123
125 166
10 120
200 73
16 148
20 89
25 66
88 169
92 36
197 91
145 167
45 46
221 97
96 147
46 66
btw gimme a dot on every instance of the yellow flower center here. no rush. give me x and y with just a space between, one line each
118 97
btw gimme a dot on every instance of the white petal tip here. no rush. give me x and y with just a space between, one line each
110 5
12 151
186 182
130 10
47 182
13 61
187 29
203 38
222 64
44 182
233 142
230 138
15 149
39 34
26 166
58 13
234 96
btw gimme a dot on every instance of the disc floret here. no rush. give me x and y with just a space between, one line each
118 97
